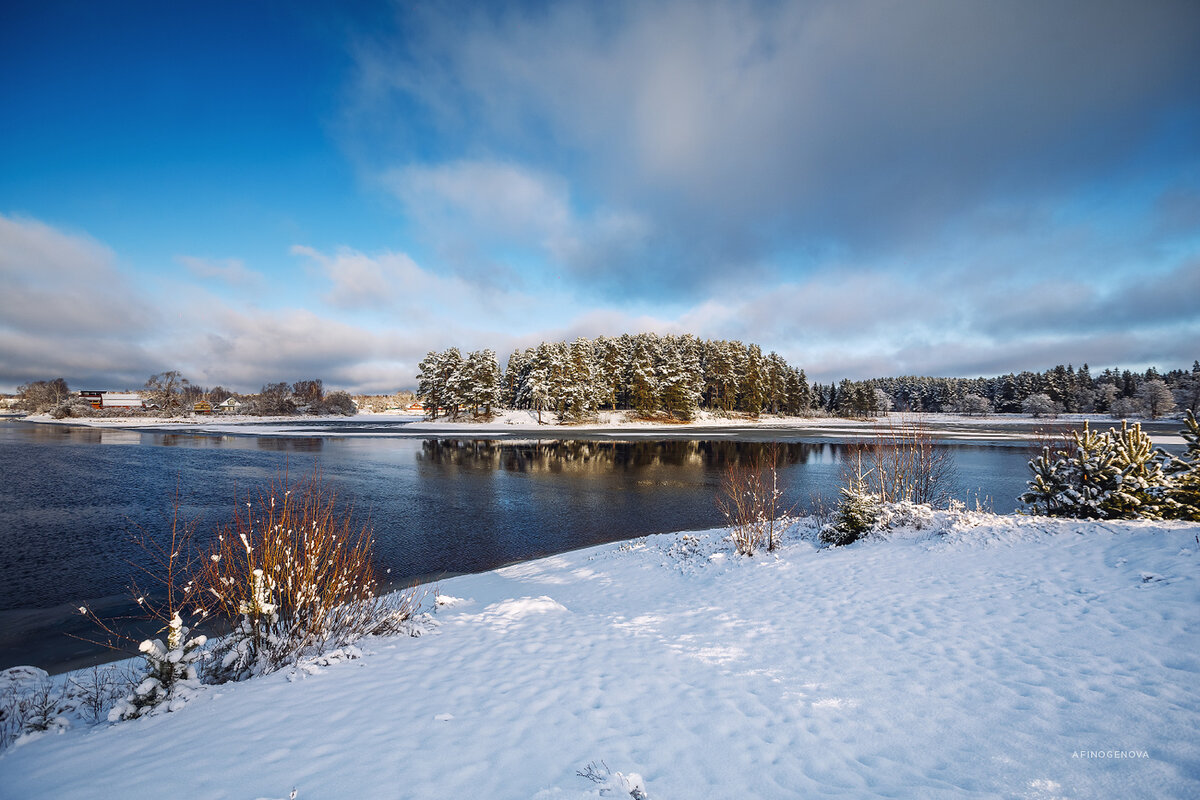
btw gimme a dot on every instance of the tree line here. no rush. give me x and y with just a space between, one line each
645 373
676 376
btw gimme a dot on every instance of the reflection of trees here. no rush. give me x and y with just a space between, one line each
291 444
582 456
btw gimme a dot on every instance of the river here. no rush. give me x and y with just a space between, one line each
72 498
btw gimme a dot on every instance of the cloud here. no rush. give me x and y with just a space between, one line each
66 308
470 209
231 271
738 130
55 281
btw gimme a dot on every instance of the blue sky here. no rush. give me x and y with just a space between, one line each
255 192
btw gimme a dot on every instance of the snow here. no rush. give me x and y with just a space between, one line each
506 423
975 656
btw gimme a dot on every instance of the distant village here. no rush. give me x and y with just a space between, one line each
169 394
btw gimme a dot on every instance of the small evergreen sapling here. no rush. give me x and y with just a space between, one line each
856 514
171 674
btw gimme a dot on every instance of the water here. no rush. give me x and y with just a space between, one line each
71 500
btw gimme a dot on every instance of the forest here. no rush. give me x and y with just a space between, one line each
676 376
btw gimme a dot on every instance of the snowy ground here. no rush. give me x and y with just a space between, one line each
978 656
997 428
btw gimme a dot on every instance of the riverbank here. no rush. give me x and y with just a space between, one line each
964 655
995 428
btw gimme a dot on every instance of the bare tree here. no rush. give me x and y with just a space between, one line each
308 392
1040 405
165 389
274 400
972 405
1156 398
42 395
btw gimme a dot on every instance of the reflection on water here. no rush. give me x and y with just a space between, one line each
69 498
583 457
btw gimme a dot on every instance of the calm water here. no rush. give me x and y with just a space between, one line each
71 497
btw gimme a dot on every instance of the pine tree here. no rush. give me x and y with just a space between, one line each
170 673
1047 485
753 389
1142 489
643 385
1183 471
429 385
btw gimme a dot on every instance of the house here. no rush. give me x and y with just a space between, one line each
230 405
202 407
100 398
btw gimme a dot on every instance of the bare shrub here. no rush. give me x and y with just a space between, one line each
30 701
750 500
615 784
902 463
95 690
294 577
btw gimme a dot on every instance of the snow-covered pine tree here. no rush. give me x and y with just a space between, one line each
534 392
1047 484
753 390
171 674
678 392
1183 474
512 379
644 384
481 382
1091 476
456 382
579 391
606 355
429 386
1142 491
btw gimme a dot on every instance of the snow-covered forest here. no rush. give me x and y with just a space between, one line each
678 375
645 373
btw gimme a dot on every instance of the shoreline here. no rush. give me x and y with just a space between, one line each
994 428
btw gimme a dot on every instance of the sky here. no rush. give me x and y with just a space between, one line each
254 192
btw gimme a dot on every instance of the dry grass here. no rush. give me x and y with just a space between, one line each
294 575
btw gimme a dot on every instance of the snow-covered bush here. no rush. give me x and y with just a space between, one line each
93 691
614 784
72 407
171 674
30 702
294 578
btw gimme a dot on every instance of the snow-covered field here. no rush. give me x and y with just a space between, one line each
975 656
